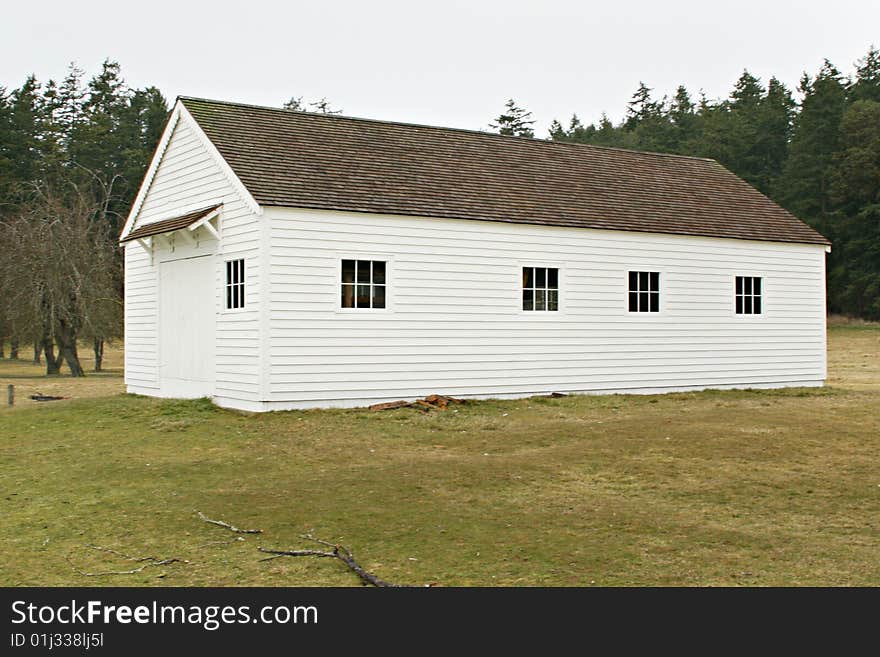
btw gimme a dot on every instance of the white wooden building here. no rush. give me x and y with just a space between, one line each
278 260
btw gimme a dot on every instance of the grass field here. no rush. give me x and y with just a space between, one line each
711 488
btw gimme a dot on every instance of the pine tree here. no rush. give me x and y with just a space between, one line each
681 108
24 137
867 79
776 112
514 121
683 117
803 186
607 134
98 148
641 107
6 163
854 266
557 132
71 101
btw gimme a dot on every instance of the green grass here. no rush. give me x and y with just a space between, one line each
712 488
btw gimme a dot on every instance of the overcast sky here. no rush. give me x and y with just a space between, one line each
448 63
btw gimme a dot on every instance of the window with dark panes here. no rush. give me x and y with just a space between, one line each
540 288
644 292
748 295
235 283
363 284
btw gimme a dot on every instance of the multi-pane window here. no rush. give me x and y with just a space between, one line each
235 283
748 295
540 288
644 292
363 284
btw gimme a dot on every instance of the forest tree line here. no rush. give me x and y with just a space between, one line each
72 154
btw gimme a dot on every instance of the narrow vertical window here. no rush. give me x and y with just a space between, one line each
363 284
644 292
235 283
747 294
540 288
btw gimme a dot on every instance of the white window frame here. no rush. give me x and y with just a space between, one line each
542 315
227 285
764 295
661 306
389 282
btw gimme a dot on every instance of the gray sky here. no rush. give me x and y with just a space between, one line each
448 63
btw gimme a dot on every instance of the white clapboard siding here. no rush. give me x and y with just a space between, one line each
455 325
188 177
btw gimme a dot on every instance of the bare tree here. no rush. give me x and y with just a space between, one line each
61 279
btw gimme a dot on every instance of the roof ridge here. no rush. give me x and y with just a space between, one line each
550 142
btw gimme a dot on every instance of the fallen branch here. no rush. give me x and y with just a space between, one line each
144 561
336 552
226 525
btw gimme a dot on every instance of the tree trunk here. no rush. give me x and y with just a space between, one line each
13 349
38 349
1 346
66 339
99 353
53 365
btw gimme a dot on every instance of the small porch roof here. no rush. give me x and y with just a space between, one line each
171 225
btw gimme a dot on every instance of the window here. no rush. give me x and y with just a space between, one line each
363 284
235 283
644 292
540 288
748 295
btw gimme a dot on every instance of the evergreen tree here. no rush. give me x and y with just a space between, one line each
867 80
648 126
776 112
23 146
641 107
681 109
514 121
71 100
803 187
683 119
97 146
606 133
557 132
6 164
854 267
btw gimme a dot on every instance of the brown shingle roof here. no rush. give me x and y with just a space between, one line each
306 160
168 225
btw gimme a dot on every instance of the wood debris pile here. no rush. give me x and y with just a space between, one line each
429 403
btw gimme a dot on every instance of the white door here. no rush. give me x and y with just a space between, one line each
186 327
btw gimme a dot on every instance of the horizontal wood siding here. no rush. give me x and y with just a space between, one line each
141 328
456 325
189 178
